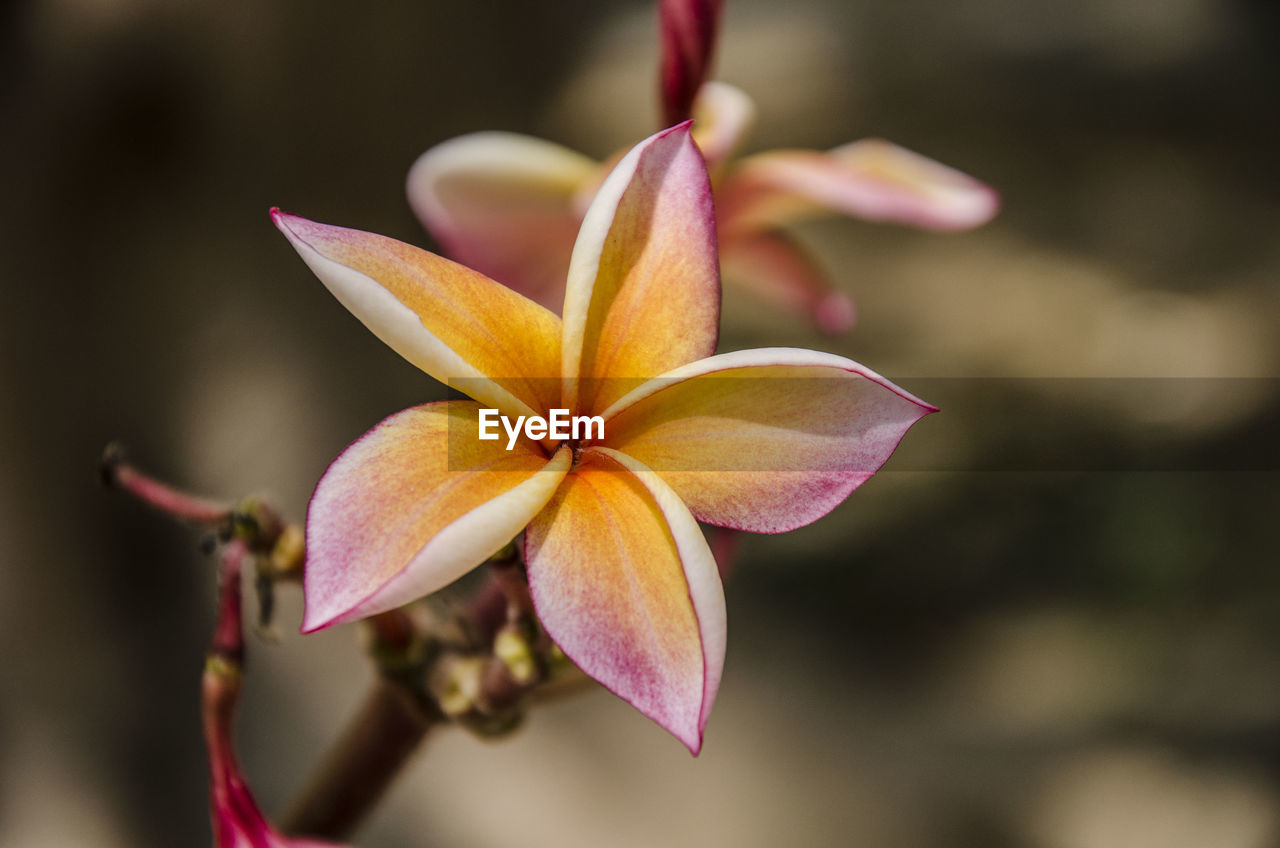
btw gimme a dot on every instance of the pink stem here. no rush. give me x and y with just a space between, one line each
228 634
185 507
688 31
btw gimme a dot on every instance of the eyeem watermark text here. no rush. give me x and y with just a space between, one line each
559 426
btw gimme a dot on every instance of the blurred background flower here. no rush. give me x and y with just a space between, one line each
1054 624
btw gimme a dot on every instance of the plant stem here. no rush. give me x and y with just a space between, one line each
116 472
397 714
361 765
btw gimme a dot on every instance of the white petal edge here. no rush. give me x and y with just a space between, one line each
398 326
728 114
459 546
494 155
706 591
755 358
584 264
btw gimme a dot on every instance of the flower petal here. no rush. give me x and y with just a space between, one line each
776 268
414 504
503 204
722 117
643 293
625 584
688 34
764 440
448 320
871 179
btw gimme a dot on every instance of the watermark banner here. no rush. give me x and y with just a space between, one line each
731 423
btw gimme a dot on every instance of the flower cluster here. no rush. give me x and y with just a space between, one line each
620 574
592 292
580 314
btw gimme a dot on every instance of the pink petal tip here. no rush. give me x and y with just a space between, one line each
835 313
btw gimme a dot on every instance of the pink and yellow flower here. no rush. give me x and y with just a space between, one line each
509 205
620 574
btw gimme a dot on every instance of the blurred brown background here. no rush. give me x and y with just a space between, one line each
1053 624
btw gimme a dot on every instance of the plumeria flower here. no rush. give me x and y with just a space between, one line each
620 574
509 205
237 821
